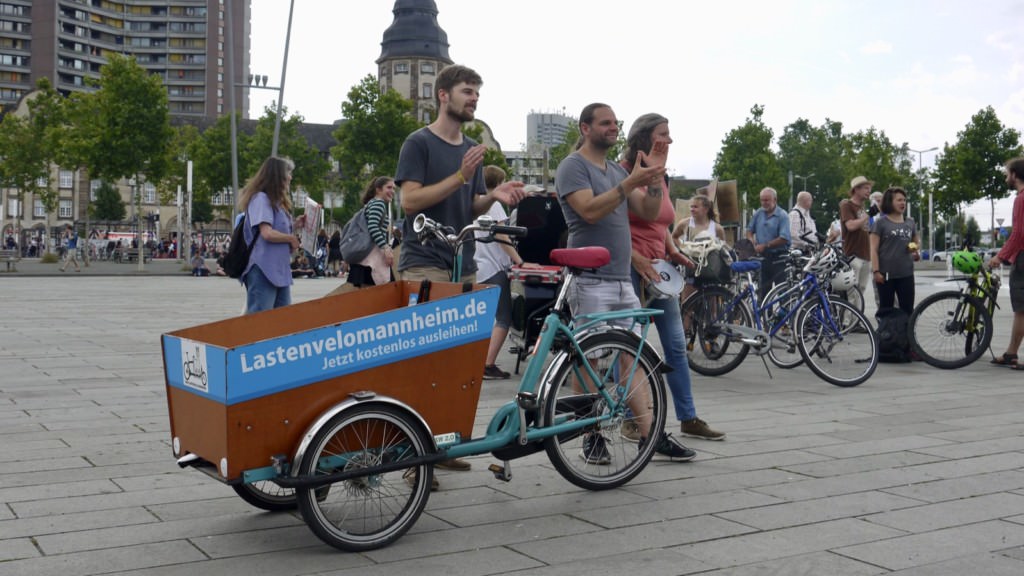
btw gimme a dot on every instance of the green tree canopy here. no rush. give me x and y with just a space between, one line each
108 204
123 128
746 156
30 145
371 136
970 169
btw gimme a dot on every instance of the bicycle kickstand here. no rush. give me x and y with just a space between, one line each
767 368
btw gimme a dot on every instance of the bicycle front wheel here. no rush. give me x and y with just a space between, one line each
371 511
600 457
706 314
950 329
837 342
782 350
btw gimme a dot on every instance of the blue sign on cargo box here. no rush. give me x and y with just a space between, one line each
278 364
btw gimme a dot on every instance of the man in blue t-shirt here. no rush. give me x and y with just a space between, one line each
70 239
769 231
440 172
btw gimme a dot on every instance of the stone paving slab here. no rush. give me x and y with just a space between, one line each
916 472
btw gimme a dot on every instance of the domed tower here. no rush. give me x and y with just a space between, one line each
413 50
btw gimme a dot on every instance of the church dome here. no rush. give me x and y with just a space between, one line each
415 33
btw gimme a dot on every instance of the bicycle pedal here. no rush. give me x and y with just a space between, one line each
503 473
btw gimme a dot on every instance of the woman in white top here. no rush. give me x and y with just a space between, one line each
701 224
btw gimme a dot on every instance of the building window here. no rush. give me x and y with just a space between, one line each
148 193
64 208
401 67
66 177
425 116
38 210
13 208
428 90
94 185
427 68
42 182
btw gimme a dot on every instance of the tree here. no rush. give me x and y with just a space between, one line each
123 128
815 151
32 144
872 154
310 167
969 170
746 156
108 204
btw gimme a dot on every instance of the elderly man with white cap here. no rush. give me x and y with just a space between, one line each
854 225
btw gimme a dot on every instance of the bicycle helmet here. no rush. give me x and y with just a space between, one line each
824 261
966 262
843 280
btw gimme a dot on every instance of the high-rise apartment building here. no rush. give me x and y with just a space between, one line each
548 129
68 41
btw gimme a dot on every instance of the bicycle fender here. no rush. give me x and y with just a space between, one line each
354 399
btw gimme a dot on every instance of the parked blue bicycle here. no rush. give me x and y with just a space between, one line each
832 336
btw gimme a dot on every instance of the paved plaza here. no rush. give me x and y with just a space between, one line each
918 471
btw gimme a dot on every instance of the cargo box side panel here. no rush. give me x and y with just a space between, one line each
443 388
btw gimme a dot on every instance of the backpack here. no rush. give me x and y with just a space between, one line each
356 242
893 341
237 258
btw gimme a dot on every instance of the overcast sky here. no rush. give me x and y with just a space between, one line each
917 70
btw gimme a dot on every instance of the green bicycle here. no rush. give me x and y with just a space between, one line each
953 328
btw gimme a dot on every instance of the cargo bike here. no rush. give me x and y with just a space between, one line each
341 406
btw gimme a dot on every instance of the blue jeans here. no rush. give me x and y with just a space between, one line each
261 295
673 345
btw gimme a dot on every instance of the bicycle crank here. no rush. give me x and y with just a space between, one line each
756 339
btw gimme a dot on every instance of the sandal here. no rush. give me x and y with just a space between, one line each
1006 360
1016 366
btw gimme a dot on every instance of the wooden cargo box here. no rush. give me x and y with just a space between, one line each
242 390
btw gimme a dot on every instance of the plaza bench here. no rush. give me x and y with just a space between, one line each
10 257
132 254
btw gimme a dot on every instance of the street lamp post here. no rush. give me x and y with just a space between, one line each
254 82
805 179
931 211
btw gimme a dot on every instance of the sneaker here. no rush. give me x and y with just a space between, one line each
698 428
410 479
492 372
595 449
455 464
671 448
630 431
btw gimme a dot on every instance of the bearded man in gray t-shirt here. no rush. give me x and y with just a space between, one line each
596 195
440 172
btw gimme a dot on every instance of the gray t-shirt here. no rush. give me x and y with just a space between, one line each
427 159
894 260
576 173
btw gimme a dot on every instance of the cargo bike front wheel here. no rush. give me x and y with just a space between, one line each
373 510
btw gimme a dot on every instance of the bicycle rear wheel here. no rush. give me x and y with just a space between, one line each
705 313
599 458
950 329
837 342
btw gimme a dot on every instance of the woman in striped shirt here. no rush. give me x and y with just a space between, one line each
377 198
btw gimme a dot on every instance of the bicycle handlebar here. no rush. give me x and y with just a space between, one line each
425 227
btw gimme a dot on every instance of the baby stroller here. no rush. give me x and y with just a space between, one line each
320 260
534 290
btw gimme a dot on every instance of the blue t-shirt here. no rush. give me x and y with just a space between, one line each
769 227
273 258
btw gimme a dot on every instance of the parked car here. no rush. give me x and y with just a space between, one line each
941 256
